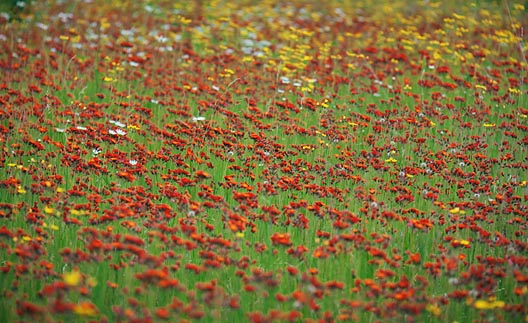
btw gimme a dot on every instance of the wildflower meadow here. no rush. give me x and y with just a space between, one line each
263 161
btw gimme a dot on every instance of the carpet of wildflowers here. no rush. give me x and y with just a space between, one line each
263 161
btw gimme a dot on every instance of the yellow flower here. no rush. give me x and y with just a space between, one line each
433 309
76 39
184 21
488 305
72 278
92 282
462 242
104 24
78 212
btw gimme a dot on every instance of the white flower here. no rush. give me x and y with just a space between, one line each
121 132
42 26
117 123
64 17
127 32
161 39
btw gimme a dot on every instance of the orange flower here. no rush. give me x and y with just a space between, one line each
85 309
281 239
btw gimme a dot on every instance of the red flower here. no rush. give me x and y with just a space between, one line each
281 239
335 284
27 308
281 297
126 175
300 297
414 258
249 288
197 269
292 270
133 240
162 313
152 275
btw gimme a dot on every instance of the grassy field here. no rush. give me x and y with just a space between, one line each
261 161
